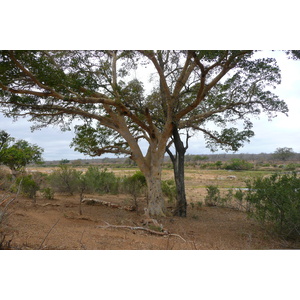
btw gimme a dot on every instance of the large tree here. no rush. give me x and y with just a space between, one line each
56 87
225 118
283 153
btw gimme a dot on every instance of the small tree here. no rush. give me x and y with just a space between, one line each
135 186
283 153
18 155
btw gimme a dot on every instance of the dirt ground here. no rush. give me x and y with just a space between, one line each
57 224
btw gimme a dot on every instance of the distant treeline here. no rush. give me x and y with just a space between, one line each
261 157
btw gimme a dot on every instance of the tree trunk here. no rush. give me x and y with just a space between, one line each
156 203
178 166
181 204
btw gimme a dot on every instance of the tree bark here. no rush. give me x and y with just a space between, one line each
178 166
156 203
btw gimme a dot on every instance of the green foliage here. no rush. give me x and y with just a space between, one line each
169 189
29 186
238 164
239 195
20 154
135 185
64 180
213 195
218 164
290 167
139 177
199 157
5 140
101 181
277 203
97 140
47 193
64 161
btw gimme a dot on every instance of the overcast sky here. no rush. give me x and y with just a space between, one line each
282 131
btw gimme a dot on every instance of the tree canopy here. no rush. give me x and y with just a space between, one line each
190 89
19 154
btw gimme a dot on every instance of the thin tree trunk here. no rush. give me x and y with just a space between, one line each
178 166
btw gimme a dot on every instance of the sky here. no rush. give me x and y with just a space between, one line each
282 131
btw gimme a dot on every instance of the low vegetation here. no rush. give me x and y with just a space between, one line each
276 203
268 192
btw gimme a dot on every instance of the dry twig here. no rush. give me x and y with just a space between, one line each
48 234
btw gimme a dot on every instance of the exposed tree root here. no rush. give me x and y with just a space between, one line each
161 233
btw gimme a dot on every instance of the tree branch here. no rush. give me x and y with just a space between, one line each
161 233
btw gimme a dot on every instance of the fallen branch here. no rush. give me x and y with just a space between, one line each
92 201
50 204
161 233
48 234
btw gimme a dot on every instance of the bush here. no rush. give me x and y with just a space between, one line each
290 167
139 177
213 195
169 189
65 180
276 202
101 181
48 193
238 164
29 186
135 185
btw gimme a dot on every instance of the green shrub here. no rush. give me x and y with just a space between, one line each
229 197
47 193
65 180
218 164
213 195
101 181
135 186
276 202
290 167
169 189
138 176
29 186
239 195
199 204
238 164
